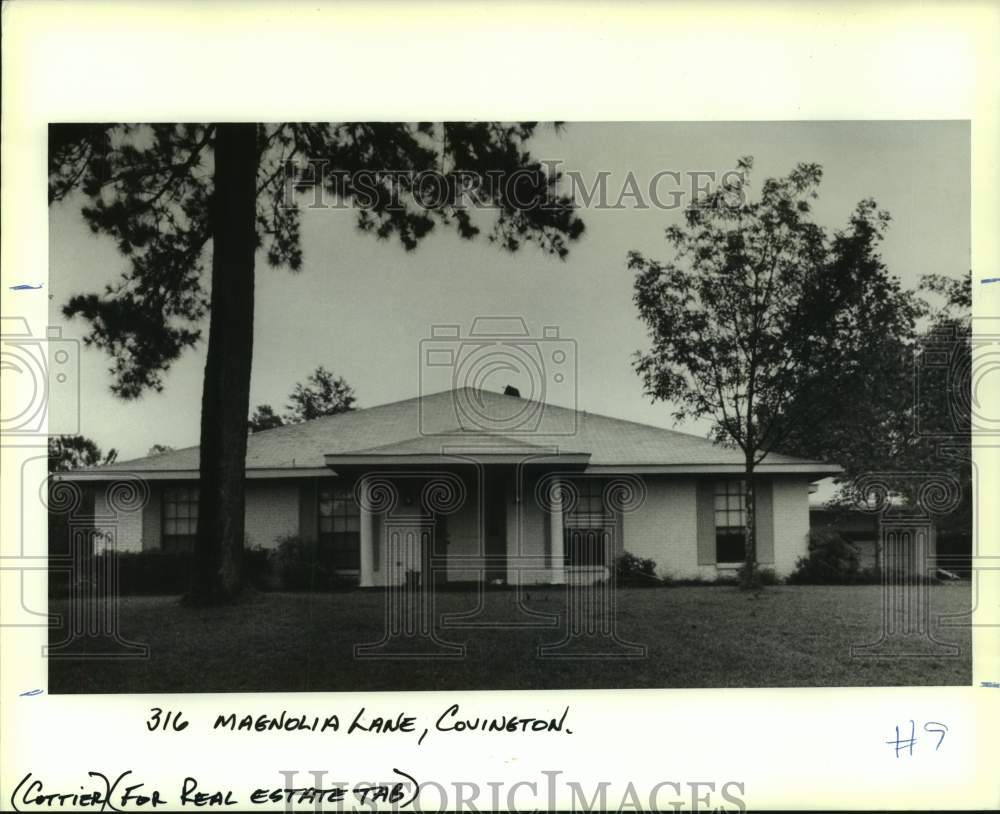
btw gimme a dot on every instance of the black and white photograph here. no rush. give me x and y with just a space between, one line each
453 406
421 394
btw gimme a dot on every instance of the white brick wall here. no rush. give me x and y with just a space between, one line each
272 511
121 529
664 528
791 523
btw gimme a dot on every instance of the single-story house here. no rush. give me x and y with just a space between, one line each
472 485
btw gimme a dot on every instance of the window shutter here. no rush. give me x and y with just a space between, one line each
765 522
152 520
308 511
706 522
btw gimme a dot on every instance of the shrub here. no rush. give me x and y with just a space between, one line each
151 572
761 577
169 572
831 560
631 570
298 567
258 571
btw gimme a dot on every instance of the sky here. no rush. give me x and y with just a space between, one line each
362 307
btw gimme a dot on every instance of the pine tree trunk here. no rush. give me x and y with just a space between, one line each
226 395
749 576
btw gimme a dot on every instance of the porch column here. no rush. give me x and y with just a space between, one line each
366 522
557 565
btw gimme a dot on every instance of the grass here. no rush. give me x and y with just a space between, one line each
695 637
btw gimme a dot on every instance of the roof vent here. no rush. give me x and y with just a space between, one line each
510 390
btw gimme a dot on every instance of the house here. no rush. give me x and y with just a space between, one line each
904 540
472 485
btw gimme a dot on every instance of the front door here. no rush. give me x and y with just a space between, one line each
496 485
408 547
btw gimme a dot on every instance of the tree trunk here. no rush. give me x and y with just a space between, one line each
749 575
225 399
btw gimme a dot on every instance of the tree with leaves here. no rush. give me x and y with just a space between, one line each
178 198
67 452
264 418
761 315
321 394
885 424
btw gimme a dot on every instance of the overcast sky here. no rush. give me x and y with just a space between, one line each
361 307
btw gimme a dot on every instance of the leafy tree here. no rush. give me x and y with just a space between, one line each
165 193
886 424
323 394
264 418
761 315
159 449
68 452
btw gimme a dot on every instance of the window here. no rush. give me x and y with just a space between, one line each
339 528
180 518
730 521
587 526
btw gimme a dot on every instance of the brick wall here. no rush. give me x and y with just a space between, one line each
272 511
664 528
791 522
121 529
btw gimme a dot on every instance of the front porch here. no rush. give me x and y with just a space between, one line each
511 523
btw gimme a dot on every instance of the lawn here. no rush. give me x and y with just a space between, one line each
694 636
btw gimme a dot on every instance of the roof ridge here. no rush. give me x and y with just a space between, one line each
455 433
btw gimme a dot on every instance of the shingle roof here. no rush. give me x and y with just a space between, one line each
468 417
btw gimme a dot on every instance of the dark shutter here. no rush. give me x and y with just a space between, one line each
763 494
706 522
152 521
308 511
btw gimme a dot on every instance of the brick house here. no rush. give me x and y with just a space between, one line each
472 485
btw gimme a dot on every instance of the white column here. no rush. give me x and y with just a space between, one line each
557 565
366 521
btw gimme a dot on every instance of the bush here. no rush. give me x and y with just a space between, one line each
634 571
257 569
831 561
292 567
151 572
298 567
761 577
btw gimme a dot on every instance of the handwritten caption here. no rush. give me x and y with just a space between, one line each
121 793
451 721
116 794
